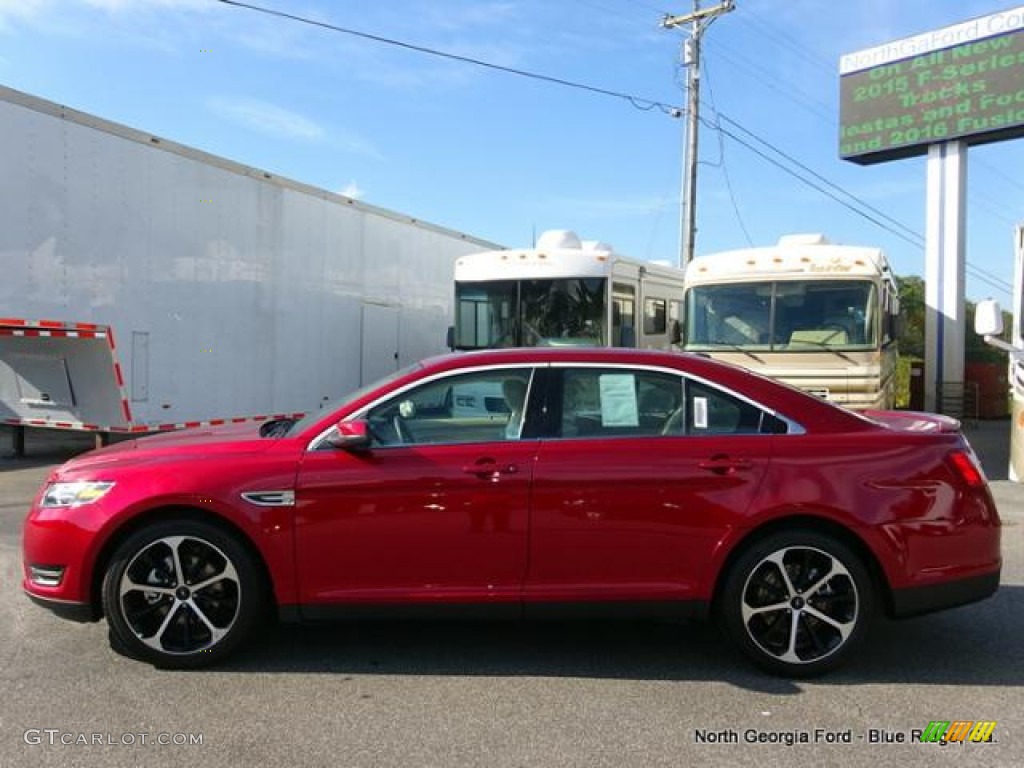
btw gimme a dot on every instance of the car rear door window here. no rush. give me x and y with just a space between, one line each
711 411
613 402
627 402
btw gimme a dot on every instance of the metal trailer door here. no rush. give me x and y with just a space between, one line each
379 342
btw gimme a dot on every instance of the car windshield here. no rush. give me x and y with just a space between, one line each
531 313
797 315
312 417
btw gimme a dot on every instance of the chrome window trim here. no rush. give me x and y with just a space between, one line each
793 427
317 442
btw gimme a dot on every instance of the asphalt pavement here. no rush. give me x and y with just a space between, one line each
497 695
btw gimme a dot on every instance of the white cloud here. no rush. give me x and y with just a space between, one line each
117 6
274 120
33 10
472 15
615 206
352 144
165 25
267 118
13 11
352 190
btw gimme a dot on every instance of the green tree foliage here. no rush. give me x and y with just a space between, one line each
911 337
975 348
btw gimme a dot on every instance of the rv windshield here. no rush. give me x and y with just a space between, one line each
789 316
530 313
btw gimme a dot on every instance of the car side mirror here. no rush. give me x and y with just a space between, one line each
988 318
350 435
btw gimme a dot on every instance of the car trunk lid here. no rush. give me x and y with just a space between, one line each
914 421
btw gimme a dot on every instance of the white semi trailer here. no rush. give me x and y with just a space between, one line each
145 285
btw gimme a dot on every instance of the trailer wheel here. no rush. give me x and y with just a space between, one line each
797 603
180 594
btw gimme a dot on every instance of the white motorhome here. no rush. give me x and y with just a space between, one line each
564 291
988 321
814 314
148 285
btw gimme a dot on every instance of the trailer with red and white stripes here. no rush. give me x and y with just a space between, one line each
147 285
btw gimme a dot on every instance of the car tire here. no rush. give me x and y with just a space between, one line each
181 594
797 603
117 645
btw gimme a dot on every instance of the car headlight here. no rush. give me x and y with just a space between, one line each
75 494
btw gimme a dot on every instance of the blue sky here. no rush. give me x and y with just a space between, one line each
501 156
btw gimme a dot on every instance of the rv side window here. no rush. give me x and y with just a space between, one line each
654 316
623 315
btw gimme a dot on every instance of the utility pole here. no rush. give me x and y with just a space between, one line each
699 20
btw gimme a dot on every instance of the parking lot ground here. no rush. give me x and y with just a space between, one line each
495 695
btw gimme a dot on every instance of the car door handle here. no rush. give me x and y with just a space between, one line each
487 469
725 465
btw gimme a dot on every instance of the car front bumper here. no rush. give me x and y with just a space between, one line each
66 609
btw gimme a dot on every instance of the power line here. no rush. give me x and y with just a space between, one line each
815 106
638 102
619 13
998 284
908 235
660 11
821 109
790 42
917 243
990 207
997 172
825 186
819 177
725 169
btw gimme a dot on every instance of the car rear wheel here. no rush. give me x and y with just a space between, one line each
797 603
180 594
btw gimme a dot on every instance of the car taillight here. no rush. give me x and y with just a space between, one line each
967 468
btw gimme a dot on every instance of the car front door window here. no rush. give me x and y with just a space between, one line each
477 407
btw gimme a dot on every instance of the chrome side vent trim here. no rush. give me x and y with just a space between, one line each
46 575
270 498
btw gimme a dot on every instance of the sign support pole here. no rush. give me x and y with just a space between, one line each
945 238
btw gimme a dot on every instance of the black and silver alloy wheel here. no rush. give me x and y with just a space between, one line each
180 594
797 603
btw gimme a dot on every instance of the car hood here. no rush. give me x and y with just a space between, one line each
182 444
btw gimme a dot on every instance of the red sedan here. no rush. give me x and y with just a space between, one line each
526 483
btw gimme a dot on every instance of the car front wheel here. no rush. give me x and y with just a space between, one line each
797 603
180 594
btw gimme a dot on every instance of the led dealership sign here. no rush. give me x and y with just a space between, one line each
962 82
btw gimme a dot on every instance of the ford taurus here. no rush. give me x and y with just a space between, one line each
526 483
